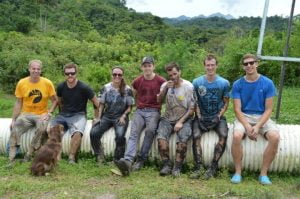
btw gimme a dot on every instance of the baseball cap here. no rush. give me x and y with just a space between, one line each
148 60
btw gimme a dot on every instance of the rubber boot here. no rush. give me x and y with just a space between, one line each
166 169
180 156
197 152
212 171
163 148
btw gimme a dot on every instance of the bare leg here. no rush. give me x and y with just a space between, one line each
75 144
270 152
237 151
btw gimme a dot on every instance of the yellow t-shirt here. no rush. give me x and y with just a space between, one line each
35 95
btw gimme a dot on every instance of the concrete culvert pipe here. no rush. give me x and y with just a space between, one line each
287 159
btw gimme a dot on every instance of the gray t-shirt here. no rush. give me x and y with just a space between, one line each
178 100
114 103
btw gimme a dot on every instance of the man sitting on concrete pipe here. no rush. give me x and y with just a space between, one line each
31 110
212 96
253 103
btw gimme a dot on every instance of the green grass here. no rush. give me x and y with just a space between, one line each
86 180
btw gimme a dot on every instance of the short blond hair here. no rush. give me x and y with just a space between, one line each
36 61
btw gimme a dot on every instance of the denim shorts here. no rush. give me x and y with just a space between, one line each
165 129
72 124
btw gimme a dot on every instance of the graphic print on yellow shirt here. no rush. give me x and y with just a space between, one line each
35 95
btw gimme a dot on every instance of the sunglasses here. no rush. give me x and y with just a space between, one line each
117 74
250 62
70 73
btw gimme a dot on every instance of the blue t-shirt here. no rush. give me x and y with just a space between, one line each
210 95
253 95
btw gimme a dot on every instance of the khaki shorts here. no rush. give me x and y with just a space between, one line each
270 125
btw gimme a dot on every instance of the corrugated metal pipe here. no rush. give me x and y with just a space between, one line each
287 159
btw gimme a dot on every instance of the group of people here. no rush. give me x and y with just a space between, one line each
191 109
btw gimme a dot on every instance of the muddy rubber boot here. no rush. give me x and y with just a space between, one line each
181 149
197 152
166 169
196 172
163 147
177 169
212 171
75 145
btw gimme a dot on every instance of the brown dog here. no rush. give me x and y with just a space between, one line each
47 157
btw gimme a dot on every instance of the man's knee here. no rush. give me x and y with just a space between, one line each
273 137
94 132
237 136
77 134
222 140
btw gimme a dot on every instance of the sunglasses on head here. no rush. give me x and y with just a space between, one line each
250 62
117 74
70 73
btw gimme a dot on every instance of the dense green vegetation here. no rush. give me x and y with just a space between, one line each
98 34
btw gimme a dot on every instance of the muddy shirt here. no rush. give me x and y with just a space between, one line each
210 95
178 100
115 104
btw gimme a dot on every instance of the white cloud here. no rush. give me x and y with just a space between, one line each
175 8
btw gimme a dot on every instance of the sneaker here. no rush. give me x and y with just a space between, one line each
177 169
138 165
195 174
10 165
100 159
166 170
176 172
196 171
236 179
211 172
71 161
124 166
26 158
265 180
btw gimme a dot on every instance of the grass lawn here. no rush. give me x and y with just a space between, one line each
86 180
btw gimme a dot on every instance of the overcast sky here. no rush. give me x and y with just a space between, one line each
191 8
